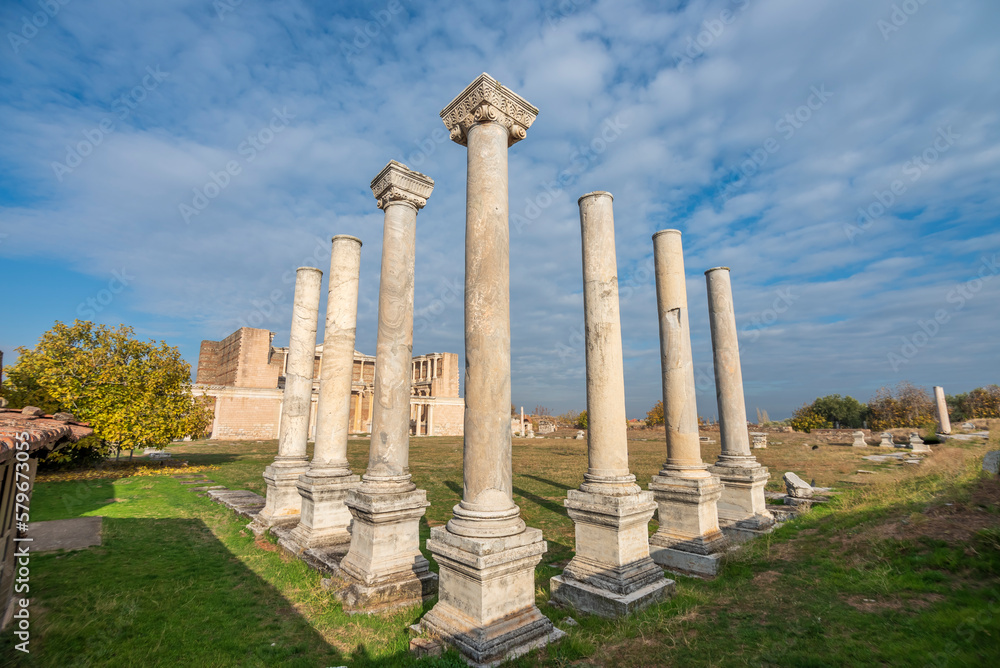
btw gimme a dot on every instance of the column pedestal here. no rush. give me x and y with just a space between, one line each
385 569
742 505
324 523
487 604
283 503
612 573
688 539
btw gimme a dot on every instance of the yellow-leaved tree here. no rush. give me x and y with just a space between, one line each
134 393
655 415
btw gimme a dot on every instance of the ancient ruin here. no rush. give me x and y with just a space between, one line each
283 503
244 375
859 440
324 519
688 538
384 568
759 439
742 509
486 554
941 408
886 441
611 573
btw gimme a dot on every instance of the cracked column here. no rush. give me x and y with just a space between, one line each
611 573
384 568
487 557
688 539
944 422
325 520
283 502
743 513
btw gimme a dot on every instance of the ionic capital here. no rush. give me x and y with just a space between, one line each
486 100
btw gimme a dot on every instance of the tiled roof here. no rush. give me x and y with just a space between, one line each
40 431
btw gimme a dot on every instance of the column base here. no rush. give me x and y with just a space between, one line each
325 520
596 601
920 447
486 606
612 564
742 504
282 503
687 513
384 569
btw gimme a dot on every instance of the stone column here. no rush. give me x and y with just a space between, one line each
688 538
944 422
325 519
522 421
384 568
611 573
742 509
283 502
486 555
430 419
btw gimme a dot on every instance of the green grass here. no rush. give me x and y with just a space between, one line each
874 578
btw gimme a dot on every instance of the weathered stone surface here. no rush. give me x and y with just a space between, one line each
941 407
486 606
743 478
759 439
886 441
611 573
991 462
917 444
32 411
64 417
283 503
859 440
324 519
384 568
72 534
797 487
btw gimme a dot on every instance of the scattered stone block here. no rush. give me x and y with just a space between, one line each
64 417
569 621
886 441
797 487
968 425
759 439
580 435
991 462
859 440
421 647
32 411
864 471
917 444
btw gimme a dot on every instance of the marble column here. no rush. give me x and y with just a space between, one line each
688 538
611 573
742 509
944 422
487 557
325 520
384 568
283 503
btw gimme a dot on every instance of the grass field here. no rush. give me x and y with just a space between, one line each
902 569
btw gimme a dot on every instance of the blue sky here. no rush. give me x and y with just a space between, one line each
759 128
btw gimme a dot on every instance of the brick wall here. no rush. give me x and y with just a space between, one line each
246 418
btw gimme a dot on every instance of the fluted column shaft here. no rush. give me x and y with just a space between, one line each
333 412
944 421
607 437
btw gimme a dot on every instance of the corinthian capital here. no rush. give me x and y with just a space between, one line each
398 183
485 100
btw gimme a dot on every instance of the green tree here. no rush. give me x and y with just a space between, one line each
806 419
581 420
847 411
655 415
134 393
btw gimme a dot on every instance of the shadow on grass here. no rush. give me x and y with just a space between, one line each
557 485
166 592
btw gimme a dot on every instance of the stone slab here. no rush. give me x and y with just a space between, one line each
738 535
686 563
72 534
586 598
205 488
991 462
